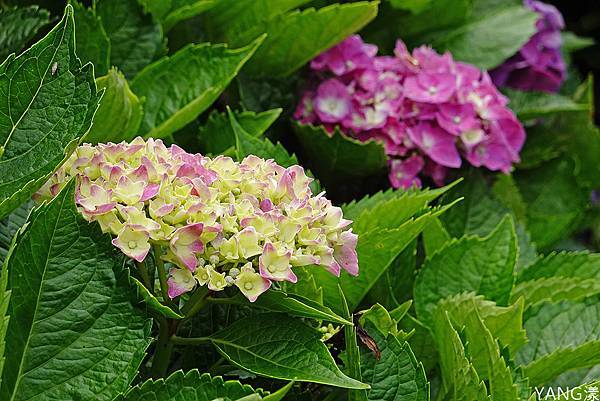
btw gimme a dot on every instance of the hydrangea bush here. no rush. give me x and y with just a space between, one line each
263 216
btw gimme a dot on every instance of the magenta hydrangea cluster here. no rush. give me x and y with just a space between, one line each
426 108
538 65
214 221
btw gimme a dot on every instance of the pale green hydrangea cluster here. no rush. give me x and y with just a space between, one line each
217 222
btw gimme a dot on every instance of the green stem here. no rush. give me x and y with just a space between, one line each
163 350
196 302
222 301
141 266
162 275
190 341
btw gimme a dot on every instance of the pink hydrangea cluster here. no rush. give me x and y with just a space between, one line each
538 65
426 108
216 222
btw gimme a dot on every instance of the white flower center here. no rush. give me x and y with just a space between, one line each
432 90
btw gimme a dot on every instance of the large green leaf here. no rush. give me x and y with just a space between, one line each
190 386
293 305
170 12
217 136
135 38
460 380
396 375
19 25
378 247
120 113
562 336
91 40
231 18
47 102
179 87
555 202
295 38
276 345
483 351
488 40
10 225
571 133
471 264
560 276
336 155
376 251
73 332
528 105
504 323
484 207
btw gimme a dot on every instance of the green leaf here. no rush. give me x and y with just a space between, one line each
279 394
178 88
335 156
435 237
91 40
572 42
10 225
216 135
295 38
530 105
438 15
392 211
483 208
170 12
278 346
152 303
120 113
488 40
378 247
395 286
471 264
460 379
396 375
562 336
19 26
414 6
482 349
231 18
421 341
190 386
560 276
73 331
293 305
351 355
135 38
555 203
504 323
48 102
376 250
247 144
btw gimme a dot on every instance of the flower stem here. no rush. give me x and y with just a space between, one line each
190 341
143 271
196 302
163 350
162 275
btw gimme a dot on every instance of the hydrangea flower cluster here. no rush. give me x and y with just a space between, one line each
538 65
426 108
217 222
